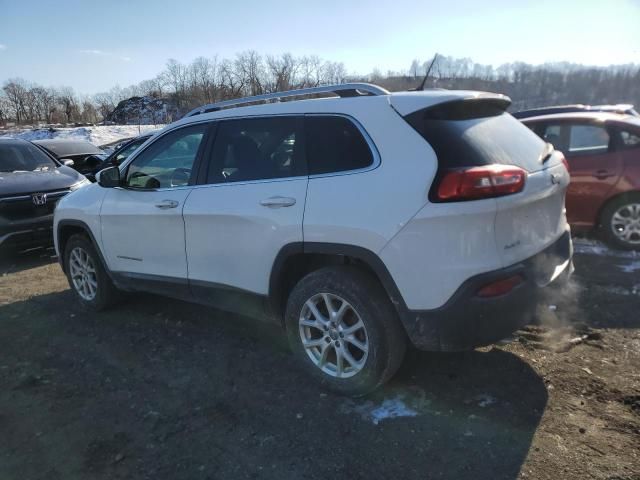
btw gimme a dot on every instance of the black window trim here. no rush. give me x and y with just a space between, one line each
195 171
203 173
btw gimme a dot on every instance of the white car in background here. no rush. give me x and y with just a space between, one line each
360 222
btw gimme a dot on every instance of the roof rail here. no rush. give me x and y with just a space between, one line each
343 90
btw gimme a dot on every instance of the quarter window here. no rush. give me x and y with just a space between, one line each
256 149
335 144
168 161
630 139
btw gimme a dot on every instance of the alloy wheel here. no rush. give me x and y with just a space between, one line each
333 335
83 273
625 223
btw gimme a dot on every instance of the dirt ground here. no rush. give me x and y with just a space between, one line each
161 389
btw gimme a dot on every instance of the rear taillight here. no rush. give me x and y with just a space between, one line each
501 287
481 182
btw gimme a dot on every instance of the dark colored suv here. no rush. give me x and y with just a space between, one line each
31 183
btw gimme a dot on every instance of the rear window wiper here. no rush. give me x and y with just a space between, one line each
546 153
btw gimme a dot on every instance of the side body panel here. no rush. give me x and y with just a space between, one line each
141 235
593 177
367 208
82 206
232 239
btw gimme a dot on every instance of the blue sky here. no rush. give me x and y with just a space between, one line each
93 45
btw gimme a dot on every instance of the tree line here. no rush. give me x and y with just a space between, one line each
208 80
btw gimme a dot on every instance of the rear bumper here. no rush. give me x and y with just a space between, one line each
467 321
27 233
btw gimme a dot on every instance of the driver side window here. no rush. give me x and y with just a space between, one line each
168 161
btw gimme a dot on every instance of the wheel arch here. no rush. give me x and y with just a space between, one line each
610 200
296 260
66 229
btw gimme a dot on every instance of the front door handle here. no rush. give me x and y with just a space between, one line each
166 204
602 174
278 202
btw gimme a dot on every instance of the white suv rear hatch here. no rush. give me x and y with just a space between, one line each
477 132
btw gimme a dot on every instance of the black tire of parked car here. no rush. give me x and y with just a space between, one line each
606 217
106 293
386 336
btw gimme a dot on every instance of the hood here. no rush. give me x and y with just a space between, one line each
24 183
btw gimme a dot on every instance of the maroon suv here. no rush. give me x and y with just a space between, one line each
603 152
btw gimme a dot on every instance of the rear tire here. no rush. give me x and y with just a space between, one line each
620 222
87 276
357 348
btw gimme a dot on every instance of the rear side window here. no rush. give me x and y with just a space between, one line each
256 149
476 133
335 144
588 139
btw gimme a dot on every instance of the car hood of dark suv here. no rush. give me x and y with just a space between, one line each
17 183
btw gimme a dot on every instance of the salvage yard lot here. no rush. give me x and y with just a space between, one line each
158 388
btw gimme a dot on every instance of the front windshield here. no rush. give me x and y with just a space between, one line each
23 157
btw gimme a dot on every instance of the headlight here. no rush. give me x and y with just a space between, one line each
82 183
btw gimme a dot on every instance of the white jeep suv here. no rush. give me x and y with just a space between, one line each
360 222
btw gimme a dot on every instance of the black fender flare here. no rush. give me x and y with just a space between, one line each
364 255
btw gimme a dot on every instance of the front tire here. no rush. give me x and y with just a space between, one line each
87 276
344 331
620 222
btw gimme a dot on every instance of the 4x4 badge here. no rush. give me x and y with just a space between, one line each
39 199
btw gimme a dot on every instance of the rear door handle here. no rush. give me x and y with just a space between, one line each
602 174
278 202
166 204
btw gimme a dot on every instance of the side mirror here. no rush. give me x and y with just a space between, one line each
109 177
67 162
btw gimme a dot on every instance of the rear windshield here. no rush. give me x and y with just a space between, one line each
482 136
60 148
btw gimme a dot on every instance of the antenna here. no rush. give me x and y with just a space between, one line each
424 80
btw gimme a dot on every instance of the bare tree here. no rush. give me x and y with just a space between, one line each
16 92
66 99
4 110
282 72
89 111
249 67
176 77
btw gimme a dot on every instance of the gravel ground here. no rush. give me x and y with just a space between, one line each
162 389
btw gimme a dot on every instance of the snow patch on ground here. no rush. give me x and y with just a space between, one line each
630 267
589 246
617 290
484 400
99 135
376 413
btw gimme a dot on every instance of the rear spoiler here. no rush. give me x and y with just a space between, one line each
406 103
